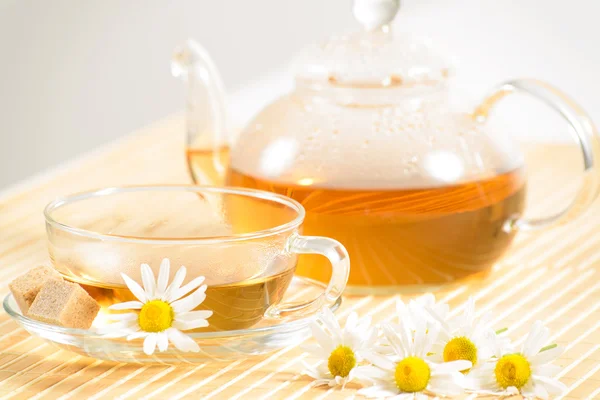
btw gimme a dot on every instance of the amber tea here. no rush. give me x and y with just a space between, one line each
237 305
421 236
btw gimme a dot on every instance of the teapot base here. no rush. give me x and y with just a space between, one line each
414 289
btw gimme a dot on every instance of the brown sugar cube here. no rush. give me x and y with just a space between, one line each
65 304
26 287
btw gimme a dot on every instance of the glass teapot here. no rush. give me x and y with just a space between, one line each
368 142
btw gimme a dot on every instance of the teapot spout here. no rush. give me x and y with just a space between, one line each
206 112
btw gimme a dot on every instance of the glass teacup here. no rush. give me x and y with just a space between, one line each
245 242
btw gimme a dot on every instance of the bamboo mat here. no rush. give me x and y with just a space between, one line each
554 276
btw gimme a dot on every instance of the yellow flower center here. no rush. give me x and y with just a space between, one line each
412 375
156 316
512 370
460 348
341 361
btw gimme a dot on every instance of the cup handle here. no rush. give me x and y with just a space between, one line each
584 132
340 265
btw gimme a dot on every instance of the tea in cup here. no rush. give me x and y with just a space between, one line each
244 242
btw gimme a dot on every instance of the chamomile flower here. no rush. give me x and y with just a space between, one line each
409 373
527 372
161 312
465 337
340 349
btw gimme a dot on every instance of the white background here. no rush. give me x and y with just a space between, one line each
77 74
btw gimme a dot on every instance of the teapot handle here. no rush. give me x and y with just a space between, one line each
583 131
206 124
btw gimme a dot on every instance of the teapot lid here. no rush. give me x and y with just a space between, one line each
373 58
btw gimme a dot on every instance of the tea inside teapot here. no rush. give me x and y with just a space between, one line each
414 199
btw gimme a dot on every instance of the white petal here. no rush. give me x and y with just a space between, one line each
123 317
310 371
512 390
181 341
528 390
135 288
322 382
546 356
338 380
553 386
371 336
368 340
379 361
541 392
193 315
447 385
190 302
314 349
379 391
485 346
127 305
400 344
148 281
363 324
330 322
163 277
450 366
436 357
350 336
187 325
322 338
352 340
370 373
430 338
324 370
549 370
419 343
150 344
400 309
351 322
535 340
191 285
426 299
138 335
175 285
433 313
162 341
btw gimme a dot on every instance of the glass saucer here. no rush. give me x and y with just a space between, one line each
265 337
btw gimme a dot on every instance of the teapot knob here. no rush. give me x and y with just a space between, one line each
374 14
